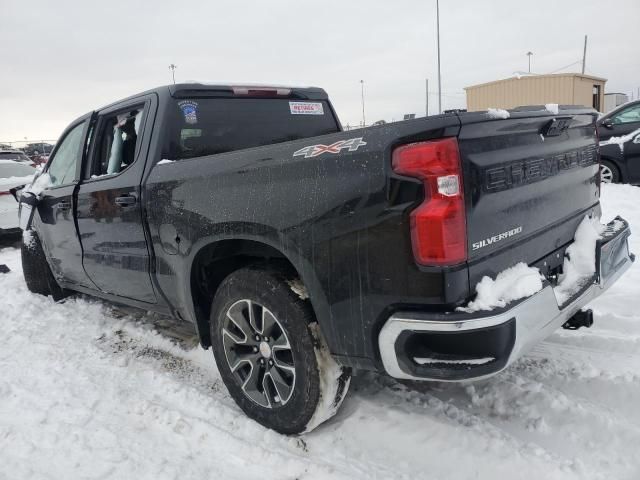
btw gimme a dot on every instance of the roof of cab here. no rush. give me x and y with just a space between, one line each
212 89
244 89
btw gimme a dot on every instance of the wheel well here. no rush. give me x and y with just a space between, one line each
215 262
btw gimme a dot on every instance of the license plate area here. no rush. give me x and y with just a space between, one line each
612 250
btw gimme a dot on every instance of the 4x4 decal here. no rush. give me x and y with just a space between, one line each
314 150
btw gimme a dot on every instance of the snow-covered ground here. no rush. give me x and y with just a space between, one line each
89 392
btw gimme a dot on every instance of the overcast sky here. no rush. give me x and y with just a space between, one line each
60 59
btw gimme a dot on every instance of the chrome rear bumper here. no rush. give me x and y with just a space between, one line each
486 343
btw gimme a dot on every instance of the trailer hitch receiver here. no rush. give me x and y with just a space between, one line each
583 318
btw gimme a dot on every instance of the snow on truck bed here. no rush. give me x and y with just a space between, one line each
87 391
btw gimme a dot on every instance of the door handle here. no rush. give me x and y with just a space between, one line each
125 200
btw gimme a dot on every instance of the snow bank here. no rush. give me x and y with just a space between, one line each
497 113
552 108
580 259
80 400
514 283
620 141
13 181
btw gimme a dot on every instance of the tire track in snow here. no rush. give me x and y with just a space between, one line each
139 346
410 403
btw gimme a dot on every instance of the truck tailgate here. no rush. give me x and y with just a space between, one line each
529 181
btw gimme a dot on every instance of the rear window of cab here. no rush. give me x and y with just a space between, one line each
208 126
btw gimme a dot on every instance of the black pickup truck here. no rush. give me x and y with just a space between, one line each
301 252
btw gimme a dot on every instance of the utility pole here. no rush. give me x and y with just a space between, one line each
364 123
584 54
529 54
173 67
426 93
439 78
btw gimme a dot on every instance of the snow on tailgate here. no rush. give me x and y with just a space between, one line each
86 392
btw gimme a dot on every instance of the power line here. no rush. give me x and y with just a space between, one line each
566 66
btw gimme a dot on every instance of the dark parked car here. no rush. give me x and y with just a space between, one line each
619 133
301 251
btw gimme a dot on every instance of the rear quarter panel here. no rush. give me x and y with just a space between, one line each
334 216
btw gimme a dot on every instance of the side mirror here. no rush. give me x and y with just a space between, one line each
29 198
607 123
15 191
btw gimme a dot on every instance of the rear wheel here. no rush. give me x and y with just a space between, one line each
36 270
609 172
270 353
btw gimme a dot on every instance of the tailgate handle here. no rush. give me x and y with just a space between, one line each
556 126
126 200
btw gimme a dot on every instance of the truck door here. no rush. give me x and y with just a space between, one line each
55 219
110 215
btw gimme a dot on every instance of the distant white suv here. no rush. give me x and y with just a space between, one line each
12 174
15 155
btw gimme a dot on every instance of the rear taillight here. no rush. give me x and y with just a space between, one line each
5 193
438 225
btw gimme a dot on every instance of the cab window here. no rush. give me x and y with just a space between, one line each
63 167
208 126
628 115
118 143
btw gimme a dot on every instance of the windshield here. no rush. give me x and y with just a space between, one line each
206 126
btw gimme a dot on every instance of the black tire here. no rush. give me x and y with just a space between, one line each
317 382
36 270
609 172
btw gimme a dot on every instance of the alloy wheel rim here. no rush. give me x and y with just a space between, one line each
259 353
606 175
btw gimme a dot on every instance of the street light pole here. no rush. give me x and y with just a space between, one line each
439 79
364 123
173 67
426 93
584 54
529 54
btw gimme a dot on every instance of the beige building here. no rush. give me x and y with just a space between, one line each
562 88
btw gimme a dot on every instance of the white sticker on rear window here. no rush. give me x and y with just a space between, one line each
306 108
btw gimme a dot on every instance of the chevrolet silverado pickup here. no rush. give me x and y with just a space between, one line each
302 252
